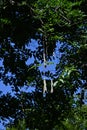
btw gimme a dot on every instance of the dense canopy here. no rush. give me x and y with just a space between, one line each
37 36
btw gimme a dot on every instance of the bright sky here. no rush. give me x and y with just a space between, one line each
51 67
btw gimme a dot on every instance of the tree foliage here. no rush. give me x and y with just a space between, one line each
53 23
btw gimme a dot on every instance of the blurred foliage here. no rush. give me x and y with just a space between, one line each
76 120
62 21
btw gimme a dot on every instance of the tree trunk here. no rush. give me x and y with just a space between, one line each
45 65
51 86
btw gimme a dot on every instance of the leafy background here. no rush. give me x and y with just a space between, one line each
59 28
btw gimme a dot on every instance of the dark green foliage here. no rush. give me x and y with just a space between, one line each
53 21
